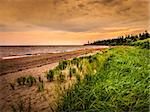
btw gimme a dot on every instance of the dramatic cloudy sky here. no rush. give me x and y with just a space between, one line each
70 21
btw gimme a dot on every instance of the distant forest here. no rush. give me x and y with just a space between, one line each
123 40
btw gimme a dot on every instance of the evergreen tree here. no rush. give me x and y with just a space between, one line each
122 40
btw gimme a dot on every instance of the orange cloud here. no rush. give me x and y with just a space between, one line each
70 21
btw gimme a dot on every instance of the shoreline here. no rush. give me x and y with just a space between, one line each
10 52
22 63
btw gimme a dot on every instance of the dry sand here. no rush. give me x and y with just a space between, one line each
8 96
40 101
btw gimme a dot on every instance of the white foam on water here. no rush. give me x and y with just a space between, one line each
13 57
20 52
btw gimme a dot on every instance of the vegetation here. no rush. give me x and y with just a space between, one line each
21 106
62 65
123 40
21 80
61 77
26 81
50 75
12 85
30 80
142 43
113 80
40 79
78 78
41 87
75 61
120 84
72 71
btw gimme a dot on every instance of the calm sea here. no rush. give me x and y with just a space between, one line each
9 51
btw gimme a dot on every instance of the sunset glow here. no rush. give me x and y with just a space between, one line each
63 22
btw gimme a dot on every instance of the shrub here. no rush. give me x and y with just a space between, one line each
50 75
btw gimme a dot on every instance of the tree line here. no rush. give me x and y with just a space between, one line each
122 40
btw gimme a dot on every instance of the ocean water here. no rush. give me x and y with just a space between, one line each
22 51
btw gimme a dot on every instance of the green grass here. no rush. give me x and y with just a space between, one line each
61 77
41 87
116 80
28 80
62 65
50 75
142 43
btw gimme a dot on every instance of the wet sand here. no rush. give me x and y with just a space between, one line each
19 64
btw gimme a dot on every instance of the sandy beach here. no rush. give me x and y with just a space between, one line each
36 66
10 65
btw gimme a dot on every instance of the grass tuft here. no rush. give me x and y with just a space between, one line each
41 87
61 77
30 80
50 75
62 65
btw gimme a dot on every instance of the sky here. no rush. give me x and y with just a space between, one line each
67 22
